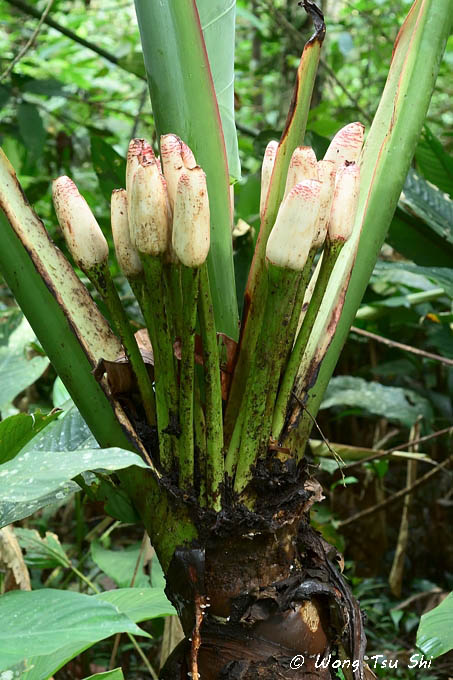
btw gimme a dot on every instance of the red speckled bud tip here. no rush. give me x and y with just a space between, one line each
344 204
291 238
301 166
266 172
176 157
346 145
127 256
191 219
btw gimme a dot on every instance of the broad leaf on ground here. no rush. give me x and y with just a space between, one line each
137 604
394 403
43 621
435 632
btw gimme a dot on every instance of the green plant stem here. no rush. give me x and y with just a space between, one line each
102 280
190 280
154 312
299 299
214 424
329 258
173 285
200 442
263 378
232 456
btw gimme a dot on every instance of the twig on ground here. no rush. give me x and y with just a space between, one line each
400 345
396 497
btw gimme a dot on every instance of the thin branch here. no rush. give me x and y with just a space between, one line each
27 9
397 496
400 345
388 452
29 44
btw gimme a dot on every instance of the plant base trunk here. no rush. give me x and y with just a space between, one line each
261 596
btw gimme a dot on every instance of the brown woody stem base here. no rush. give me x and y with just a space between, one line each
260 590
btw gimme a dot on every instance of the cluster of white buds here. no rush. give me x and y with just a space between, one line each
320 199
158 213
168 211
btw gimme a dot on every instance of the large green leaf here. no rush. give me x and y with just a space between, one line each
139 604
394 403
184 103
135 603
18 368
17 430
217 18
68 433
32 478
120 565
40 622
440 276
435 632
422 227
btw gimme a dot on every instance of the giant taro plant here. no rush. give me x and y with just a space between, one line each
220 417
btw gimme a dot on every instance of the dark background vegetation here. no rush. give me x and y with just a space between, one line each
65 109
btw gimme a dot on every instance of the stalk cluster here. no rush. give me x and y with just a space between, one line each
161 231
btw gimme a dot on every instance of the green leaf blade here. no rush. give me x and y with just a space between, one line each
435 633
42 621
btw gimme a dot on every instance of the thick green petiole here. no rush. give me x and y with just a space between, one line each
102 280
189 280
214 421
329 258
232 455
265 373
154 312
200 441
299 300
172 273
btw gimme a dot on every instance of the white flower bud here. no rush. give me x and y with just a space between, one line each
148 214
326 175
176 157
191 220
266 172
127 256
301 166
344 204
82 233
346 145
139 152
292 235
